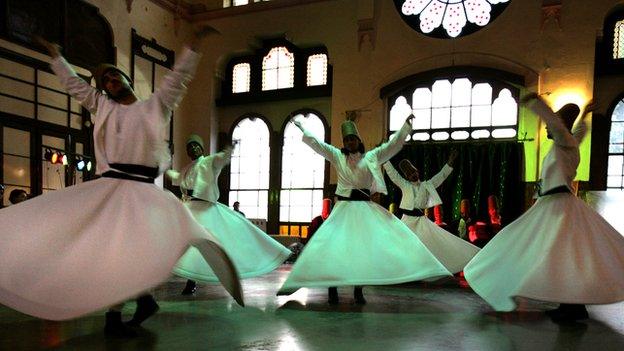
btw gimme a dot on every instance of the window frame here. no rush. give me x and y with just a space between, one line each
497 79
617 101
299 90
228 172
300 227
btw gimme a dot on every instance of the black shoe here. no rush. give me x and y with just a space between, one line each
146 307
116 328
358 295
568 313
333 296
190 288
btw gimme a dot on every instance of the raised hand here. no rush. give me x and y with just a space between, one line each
201 33
409 118
589 108
296 120
53 49
452 157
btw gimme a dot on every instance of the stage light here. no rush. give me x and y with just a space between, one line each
64 160
55 157
80 165
89 166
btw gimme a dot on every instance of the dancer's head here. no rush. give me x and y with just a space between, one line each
464 208
113 81
236 205
568 114
194 146
351 138
411 173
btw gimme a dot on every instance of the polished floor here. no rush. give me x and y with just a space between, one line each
441 316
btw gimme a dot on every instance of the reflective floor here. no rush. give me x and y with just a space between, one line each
414 316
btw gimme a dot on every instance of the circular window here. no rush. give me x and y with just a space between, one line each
446 19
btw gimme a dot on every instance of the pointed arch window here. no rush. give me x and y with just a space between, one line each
249 168
303 176
457 109
241 78
317 70
615 171
278 69
618 40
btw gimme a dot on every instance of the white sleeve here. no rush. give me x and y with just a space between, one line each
80 90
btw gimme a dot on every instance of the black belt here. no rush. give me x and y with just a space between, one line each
356 195
144 174
414 212
557 190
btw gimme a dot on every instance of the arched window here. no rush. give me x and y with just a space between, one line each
249 169
615 173
457 109
618 40
317 70
303 177
278 69
241 74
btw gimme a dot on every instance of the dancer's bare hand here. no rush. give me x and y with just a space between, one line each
199 34
297 120
589 108
53 49
452 157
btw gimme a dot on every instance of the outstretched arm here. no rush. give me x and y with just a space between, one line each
580 129
329 152
223 158
394 176
80 90
439 178
556 127
385 151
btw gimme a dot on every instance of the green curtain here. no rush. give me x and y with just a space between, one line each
481 169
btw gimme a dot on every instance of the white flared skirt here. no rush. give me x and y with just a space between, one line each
453 252
560 250
253 252
361 243
83 248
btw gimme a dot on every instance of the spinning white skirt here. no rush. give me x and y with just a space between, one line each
77 250
362 244
560 250
253 252
453 252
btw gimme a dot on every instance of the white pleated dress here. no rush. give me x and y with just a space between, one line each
560 250
453 252
83 248
361 243
253 251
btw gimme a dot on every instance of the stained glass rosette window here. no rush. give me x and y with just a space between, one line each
449 18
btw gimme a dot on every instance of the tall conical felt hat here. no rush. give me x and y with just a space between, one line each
349 128
194 138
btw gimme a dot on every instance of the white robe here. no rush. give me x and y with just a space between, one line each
253 252
453 252
361 243
80 249
560 250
